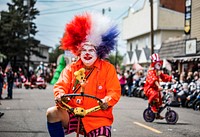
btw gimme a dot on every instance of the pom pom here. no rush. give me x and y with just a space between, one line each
75 33
95 28
108 42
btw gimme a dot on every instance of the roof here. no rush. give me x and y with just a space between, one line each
44 46
176 49
170 49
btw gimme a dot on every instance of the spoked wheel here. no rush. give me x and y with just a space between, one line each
197 106
148 115
171 117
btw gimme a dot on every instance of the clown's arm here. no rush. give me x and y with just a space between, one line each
158 85
113 87
63 85
165 77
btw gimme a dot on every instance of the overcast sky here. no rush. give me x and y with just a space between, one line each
54 14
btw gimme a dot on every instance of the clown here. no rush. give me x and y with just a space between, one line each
152 86
90 37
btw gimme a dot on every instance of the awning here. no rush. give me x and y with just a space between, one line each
187 58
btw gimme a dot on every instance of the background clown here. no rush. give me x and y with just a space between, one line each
152 86
90 37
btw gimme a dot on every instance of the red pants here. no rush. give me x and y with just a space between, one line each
154 99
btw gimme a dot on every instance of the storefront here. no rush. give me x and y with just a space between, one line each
184 55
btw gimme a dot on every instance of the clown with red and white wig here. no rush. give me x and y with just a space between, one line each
90 37
152 86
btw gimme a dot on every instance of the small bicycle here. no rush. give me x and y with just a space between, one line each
170 116
79 112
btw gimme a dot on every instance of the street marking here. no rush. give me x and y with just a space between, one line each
147 127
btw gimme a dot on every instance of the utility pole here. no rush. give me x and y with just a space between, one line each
152 31
116 56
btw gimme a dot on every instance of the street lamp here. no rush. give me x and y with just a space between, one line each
116 56
104 10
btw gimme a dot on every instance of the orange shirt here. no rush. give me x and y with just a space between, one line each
102 82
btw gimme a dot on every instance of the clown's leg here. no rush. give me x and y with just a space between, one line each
153 105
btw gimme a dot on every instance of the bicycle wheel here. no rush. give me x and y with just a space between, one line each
171 117
148 115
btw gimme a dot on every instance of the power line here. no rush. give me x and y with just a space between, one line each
48 25
126 11
46 38
54 1
50 31
71 5
89 6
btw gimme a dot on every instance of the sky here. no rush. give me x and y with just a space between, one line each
55 14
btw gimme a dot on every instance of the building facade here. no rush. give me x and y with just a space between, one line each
184 52
44 50
168 22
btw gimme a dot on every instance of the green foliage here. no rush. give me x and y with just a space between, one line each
115 59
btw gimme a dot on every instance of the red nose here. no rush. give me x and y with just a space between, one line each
87 54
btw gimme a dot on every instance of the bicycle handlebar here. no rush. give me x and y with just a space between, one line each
79 111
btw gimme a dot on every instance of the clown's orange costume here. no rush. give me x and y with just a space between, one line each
90 37
152 86
103 84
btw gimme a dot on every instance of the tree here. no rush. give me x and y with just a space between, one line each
17 31
116 60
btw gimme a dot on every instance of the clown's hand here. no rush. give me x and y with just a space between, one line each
160 88
104 104
60 98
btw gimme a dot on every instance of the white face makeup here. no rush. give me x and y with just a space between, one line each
88 55
158 66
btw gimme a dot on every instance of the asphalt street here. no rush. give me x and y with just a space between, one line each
25 116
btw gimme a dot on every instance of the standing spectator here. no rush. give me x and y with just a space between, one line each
122 81
10 81
1 82
136 78
129 82
1 87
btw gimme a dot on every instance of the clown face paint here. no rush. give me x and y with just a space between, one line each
88 55
158 66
